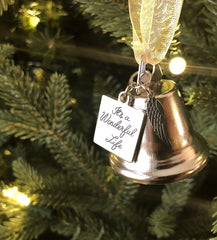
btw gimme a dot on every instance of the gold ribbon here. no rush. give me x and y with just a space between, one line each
154 23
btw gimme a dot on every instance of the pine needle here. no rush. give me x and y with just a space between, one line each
163 220
109 15
4 5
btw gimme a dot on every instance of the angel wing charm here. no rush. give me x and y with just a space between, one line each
155 114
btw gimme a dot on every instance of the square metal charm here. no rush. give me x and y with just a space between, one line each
118 127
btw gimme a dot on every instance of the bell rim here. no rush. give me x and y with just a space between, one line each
145 177
164 179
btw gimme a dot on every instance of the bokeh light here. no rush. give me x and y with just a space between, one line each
177 65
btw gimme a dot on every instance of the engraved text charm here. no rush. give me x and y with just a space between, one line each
118 127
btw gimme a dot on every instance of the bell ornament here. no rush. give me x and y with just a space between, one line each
165 152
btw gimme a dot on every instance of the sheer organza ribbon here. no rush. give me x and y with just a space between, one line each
154 23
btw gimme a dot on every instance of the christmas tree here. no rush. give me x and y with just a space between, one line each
56 60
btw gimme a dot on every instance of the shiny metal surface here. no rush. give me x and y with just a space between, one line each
154 161
118 127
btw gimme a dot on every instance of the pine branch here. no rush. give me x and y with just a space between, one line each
214 216
92 228
18 90
45 194
4 5
58 190
87 228
58 106
17 152
202 96
89 167
63 152
13 124
104 85
24 226
27 176
22 222
3 138
29 113
163 220
126 192
6 50
196 221
199 30
111 15
201 17
162 223
195 227
205 123
29 118
66 228
209 17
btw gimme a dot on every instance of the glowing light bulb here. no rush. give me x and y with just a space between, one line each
33 21
177 65
73 101
9 192
17 196
22 199
7 152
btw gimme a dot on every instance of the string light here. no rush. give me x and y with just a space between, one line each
177 65
17 196
73 101
33 21
7 152
29 16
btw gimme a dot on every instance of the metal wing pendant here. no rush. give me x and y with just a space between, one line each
155 114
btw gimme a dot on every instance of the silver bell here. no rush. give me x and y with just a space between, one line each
156 161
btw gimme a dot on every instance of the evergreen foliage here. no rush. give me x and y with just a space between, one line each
6 50
202 96
214 224
109 15
102 85
174 197
73 192
206 17
4 5
199 20
45 118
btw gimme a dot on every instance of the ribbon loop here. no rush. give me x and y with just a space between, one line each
154 23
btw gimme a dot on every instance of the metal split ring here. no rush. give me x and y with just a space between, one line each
142 71
144 77
128 89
